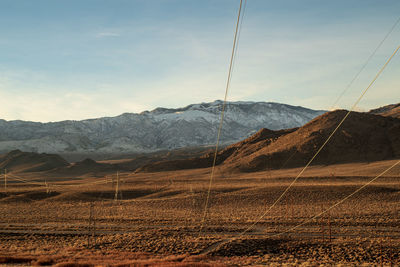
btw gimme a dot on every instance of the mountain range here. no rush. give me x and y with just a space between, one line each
363 137
160 129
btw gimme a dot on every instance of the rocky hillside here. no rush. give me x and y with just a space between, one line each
363 137
392 110
18 161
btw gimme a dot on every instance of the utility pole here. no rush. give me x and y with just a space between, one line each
47 187
5 180
90 229
117 188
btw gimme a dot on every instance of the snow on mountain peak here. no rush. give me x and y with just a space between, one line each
161 128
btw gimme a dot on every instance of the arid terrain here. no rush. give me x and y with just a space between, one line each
157 218
262 209
199 133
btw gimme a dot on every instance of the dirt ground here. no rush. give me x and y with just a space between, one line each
158 218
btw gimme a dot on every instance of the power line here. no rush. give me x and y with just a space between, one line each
366 63
216 245
353 79
17 178
316 154
238 37
235 41
326 141
339 202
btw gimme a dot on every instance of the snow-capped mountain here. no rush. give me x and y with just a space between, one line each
162 128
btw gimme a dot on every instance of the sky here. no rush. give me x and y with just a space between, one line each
73 60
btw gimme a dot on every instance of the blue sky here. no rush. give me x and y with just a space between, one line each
84 59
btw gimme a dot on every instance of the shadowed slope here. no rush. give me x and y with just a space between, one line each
18 161
86 166
245 147
363 137
392 110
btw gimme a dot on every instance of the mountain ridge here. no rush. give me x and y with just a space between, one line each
392 110
363 137
18 161
160 129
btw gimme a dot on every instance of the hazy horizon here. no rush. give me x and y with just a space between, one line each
79 60
183 106
149 110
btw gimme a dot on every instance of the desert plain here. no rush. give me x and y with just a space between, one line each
159 218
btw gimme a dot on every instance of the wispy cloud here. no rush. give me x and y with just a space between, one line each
105 34
106 63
